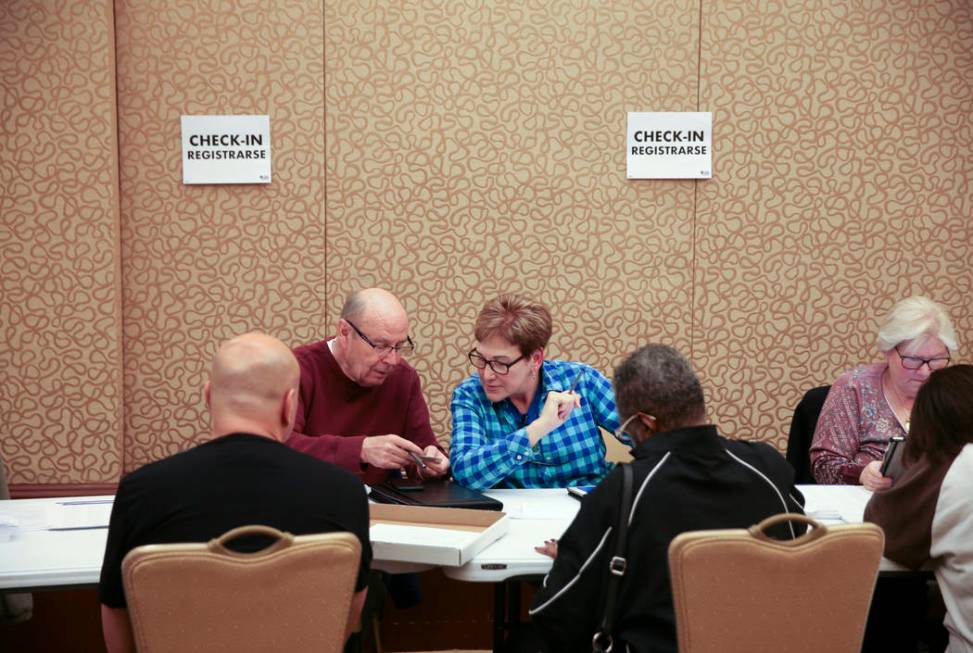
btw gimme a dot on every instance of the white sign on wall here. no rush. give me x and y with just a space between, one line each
226 149
669 145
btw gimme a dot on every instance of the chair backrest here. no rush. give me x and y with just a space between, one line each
801 435
292 596
740 590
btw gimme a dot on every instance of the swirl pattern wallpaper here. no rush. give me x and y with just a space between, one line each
61 395
450 151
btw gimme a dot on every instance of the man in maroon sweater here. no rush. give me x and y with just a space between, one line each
361 405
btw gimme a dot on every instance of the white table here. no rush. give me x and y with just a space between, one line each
538 515
38 558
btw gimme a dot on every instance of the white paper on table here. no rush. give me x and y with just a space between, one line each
73 515
836 503
421 535
827 516
8 526
531 508
25 513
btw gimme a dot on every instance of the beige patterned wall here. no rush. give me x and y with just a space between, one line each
450 151
475 148
60 342
203 263
842 183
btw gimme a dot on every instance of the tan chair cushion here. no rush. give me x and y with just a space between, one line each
292 596
738 590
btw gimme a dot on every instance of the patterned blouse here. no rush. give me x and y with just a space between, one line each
854 428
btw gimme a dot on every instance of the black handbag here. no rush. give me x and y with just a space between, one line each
603 639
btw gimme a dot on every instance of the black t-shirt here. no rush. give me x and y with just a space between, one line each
231 481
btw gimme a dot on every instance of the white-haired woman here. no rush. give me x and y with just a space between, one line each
871 403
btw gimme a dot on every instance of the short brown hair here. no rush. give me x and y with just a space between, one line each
517 320
942 415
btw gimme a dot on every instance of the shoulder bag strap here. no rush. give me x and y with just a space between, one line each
602 641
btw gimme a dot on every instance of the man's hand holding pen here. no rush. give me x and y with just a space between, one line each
431 463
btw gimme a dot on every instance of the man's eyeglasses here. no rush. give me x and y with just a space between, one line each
402 349
499 367
915 362
620 433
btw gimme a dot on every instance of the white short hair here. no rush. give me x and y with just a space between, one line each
916 317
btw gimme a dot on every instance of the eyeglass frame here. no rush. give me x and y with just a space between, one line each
491 363
402 348
619 433
922 361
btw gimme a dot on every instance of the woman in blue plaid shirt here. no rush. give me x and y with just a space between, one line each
522 421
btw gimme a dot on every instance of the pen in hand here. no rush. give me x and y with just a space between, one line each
577 379
563 410
420 463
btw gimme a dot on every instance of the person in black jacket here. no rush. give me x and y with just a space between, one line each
244 475
686 477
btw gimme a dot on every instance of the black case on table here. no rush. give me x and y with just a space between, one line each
434 494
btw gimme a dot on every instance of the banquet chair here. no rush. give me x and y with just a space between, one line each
740 590
801 433
293 595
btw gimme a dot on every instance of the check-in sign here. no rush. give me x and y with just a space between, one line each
669 145
226 149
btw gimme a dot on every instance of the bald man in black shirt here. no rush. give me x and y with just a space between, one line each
244 475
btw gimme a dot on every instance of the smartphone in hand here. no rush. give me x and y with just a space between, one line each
892 463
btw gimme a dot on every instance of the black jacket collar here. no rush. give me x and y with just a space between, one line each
693 440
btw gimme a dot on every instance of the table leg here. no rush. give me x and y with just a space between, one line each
499 614
513 604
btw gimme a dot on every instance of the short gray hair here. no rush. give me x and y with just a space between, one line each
916 317
659 381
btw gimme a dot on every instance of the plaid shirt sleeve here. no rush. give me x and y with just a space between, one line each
478 460
601 397
574 452
487 452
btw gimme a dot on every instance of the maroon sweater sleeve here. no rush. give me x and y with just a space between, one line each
342 450
905 512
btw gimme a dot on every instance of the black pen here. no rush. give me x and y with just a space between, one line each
419 461
574 384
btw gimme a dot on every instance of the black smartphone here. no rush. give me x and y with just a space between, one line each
581 491
892 463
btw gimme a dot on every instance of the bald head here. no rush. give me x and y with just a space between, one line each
253 387
370 318
375 306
